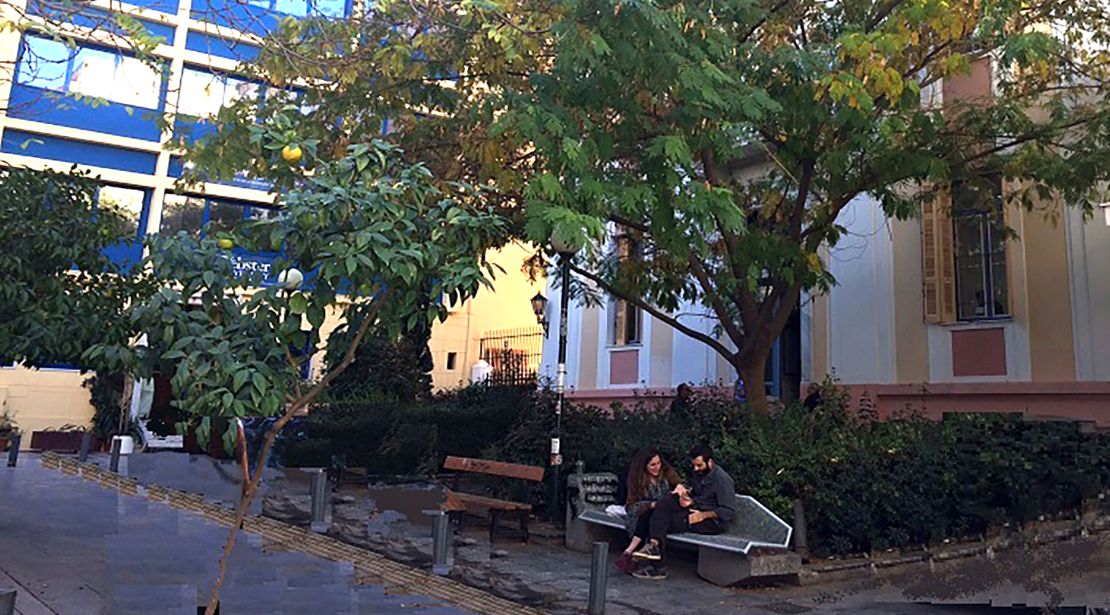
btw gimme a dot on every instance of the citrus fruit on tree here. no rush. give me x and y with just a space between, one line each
291 153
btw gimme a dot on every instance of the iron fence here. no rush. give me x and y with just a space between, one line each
513 354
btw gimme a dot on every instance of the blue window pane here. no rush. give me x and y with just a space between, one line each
95 73
296 8
330 8
44 64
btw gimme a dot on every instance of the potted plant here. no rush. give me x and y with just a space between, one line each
8 428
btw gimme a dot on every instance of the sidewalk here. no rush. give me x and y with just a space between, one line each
74 547
548 577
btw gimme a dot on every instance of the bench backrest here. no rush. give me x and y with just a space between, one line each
755 523
593 491
494 468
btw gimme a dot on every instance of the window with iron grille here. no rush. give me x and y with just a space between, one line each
980 249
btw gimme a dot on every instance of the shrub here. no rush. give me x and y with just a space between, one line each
106 398
866 484
394 438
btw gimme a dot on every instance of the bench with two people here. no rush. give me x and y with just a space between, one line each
737 537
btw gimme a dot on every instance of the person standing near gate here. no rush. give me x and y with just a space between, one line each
706 507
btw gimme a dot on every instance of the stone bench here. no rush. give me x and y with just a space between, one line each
754 547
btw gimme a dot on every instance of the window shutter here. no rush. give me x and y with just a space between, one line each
938 264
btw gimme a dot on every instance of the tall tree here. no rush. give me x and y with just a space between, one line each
377 241
726 137
423 74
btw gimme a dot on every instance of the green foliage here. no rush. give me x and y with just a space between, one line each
728 137
866 484
381 245
106 397
392 438
59 294
433 85
396 368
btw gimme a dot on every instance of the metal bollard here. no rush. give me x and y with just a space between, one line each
599 578
7 601
86 444
13 452
441 540
113 463
320 494
799 538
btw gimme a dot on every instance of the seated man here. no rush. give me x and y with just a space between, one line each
707 507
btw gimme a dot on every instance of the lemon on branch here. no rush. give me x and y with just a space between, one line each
291 154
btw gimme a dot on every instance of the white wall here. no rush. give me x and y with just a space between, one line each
692 360
1088 255
861 305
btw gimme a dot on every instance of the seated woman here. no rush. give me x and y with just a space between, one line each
649 479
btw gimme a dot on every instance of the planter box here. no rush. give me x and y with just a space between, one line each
61 441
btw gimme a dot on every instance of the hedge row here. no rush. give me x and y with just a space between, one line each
866 484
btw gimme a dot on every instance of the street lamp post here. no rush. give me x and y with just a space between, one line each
565 253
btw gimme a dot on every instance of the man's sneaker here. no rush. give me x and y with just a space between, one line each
648 551
654 573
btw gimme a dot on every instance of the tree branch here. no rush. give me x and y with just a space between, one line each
882 14
252 488
723 315
655 312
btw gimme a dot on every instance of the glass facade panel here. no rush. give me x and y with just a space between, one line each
130 203
182 213
90 72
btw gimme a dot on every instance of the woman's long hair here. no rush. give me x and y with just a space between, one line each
638 478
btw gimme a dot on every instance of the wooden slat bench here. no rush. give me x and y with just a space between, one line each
458 502
755 545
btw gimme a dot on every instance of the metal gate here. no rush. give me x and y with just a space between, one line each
513 354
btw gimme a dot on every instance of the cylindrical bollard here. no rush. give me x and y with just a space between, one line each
113 462
86 444
13 451
441 541
7 601
599 578
799 537
319 492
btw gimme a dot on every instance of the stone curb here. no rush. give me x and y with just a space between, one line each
880 564
369 566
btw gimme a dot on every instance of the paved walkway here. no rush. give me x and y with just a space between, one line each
75 547
101 549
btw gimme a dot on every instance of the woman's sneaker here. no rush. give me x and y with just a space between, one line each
626 564
654 573
649 551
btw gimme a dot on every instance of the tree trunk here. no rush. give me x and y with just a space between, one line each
753 373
